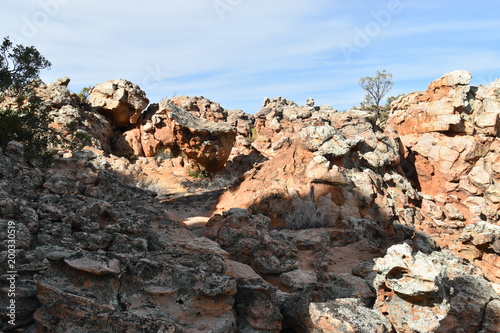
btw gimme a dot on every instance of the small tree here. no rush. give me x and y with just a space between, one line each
19 66
376 87
85 93
23 115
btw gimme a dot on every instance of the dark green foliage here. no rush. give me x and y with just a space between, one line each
23 116
29 128
19 66
85 93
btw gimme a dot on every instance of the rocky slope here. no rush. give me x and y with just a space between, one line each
327 223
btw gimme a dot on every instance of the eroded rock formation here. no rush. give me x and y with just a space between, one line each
452 154
206 143
434 292
121 101
330 223
324 169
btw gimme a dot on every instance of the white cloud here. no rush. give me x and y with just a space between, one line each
259 48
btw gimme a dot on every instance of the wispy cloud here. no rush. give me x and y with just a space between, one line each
256 48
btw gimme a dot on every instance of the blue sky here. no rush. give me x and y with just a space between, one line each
237 52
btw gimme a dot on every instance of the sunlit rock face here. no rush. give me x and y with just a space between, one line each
452 155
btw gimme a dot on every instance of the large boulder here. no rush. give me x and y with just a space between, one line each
436 292
121 101
206 143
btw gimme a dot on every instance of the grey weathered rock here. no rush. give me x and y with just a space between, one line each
439 291
201 107
247 240
89 259
257 302
346 316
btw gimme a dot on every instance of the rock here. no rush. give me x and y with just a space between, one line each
323 197
420 276
57 94
201 107
328 158
347 316
247 239
491 315
437 291
92 265
15 150
243 122
207 144
451 79
455 164
129 143
257 304
298 279
86 261
121 101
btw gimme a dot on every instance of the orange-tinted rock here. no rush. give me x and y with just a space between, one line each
121 101
450 133
208 144
128 144
201 107
327 172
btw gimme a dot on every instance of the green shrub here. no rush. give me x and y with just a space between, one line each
85 93
197 174
253 135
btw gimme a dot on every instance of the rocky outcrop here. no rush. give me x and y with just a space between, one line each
243 122
449 105
121 101
321 265
247 239
280 119
168 129
57 95
337 166
321 233
452 151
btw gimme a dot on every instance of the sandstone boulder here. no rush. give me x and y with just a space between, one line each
437 292
208 144
121 101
